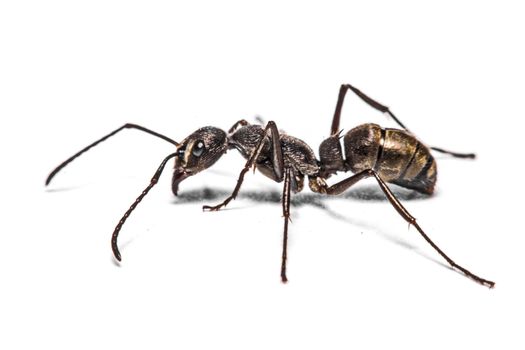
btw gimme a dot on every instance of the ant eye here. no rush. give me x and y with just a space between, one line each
198 148
181 152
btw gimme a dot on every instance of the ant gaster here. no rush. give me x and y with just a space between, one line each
388 155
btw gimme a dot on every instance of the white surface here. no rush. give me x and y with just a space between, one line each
70 73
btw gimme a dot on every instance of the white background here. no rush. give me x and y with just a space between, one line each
71 72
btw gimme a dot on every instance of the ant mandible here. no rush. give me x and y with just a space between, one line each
386 154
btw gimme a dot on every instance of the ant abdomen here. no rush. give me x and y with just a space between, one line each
396 155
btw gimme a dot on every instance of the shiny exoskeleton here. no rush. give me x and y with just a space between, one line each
388 155
396 155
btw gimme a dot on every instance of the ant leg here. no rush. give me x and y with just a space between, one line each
277 161
152 183
372 103
125 126
342 186
286 215
241 122
382 108
454 154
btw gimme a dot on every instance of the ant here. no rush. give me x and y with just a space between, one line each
388 155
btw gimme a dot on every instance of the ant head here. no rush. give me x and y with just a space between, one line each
197 152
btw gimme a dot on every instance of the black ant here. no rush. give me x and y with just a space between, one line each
388 155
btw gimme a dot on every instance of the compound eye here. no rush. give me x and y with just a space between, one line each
181 152
198 148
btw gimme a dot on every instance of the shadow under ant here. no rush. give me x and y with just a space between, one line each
362 193
369 193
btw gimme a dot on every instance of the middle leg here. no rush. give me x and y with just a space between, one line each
286 214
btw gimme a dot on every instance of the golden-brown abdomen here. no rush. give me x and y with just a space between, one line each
396 155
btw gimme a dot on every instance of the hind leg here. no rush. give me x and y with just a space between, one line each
382 108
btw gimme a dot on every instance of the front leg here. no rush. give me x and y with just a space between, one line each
277 162
235 126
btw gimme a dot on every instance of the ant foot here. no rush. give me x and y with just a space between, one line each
208 208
